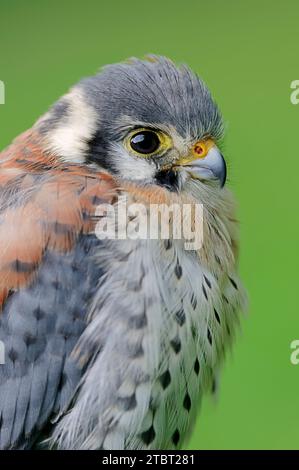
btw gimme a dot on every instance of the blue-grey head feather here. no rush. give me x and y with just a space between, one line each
155 91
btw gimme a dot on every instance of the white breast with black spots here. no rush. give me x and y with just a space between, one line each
159 324
183 343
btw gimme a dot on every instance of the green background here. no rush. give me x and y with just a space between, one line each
247 52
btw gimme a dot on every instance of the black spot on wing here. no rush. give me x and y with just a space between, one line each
22 266
196 366
193 332
180 316
38 313
12 355
167 244
58 228
218 259
165 379
178 271
135 351
193 301
176 344
217 316
187 402
138 321
176 437
204 292
30 339
128 403
95 200
149 435
214 386
208 282
234 284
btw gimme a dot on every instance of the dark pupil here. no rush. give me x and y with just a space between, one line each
145 142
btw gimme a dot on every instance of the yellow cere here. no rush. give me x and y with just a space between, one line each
199 150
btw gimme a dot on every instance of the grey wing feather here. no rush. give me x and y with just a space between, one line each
39 326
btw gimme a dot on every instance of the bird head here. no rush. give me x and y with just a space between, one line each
148 121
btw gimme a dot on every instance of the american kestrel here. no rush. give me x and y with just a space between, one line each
110 343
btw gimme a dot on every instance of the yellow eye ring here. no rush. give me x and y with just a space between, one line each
146 142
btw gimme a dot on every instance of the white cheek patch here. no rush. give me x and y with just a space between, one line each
69 140
134 168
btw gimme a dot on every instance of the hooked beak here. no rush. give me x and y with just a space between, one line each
205 162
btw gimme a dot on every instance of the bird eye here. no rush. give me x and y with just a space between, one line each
145 142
